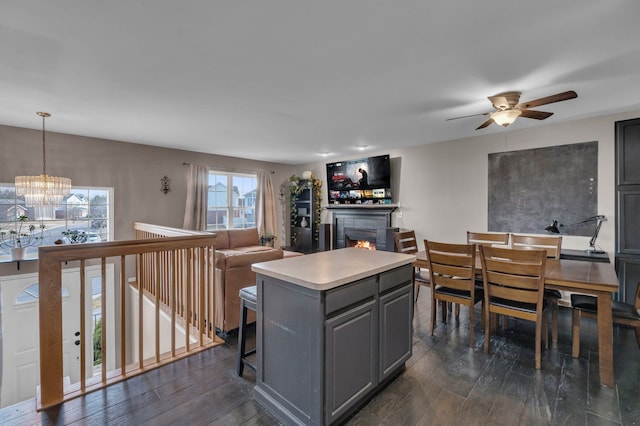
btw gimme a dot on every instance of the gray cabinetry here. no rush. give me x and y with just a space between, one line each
321 353
396 314
350 365
627 207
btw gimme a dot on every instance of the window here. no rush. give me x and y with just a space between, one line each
231 201
87 211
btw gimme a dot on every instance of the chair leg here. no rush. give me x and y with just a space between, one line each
638 335
539 344
487 329
433 312
471 320
457 308
554 322
443 307
241 338
575 333
417 289
545 331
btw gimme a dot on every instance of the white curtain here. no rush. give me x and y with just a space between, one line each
195 211
266 221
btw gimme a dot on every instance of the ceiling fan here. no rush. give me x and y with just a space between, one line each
508 108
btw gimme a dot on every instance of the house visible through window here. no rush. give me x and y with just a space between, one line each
231 201
84 216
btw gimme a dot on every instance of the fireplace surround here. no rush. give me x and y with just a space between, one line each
372 223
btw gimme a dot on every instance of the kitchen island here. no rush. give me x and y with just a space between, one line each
332 329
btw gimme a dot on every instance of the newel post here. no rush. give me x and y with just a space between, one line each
50 310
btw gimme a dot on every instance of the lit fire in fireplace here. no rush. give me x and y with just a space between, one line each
363 244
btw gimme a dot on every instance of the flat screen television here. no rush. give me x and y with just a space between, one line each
362 181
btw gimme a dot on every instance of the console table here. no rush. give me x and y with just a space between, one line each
332 329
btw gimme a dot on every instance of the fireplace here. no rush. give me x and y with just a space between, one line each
370 224
372 239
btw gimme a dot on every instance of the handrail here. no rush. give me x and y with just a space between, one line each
181 286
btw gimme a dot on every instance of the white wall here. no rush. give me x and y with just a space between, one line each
442 188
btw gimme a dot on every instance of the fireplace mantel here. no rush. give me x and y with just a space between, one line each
384 207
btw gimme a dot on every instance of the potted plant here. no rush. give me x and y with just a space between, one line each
267 240
25 236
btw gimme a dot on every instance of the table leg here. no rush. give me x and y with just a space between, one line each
605 339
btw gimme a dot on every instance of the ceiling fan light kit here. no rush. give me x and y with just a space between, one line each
505 117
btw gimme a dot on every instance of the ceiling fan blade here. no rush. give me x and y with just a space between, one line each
536 115
467 116
485 124
548 100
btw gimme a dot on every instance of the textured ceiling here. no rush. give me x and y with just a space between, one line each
285 81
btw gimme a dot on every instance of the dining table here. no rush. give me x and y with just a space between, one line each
578 276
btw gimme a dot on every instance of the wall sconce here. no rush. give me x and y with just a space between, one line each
165 184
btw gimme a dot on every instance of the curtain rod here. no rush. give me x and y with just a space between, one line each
233 170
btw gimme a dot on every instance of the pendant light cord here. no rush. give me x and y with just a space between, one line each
44 115
44 157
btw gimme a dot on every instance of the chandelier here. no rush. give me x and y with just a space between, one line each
43 189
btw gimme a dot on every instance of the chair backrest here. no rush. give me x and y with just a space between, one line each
487 238
406 242
513 274
451 265
551 243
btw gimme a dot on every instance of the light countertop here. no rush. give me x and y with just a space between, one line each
329 269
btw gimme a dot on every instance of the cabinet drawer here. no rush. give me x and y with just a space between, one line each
347 295
395 277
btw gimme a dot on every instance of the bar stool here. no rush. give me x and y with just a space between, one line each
248 300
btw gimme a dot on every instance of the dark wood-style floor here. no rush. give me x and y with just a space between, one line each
445 383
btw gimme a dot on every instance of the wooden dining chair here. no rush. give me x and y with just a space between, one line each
488 238
552 244
587 306
514 286
406 243
452 274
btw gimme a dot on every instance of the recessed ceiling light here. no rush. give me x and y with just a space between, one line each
324 154
362 147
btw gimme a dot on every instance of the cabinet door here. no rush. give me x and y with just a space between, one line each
396 329
351 358
628 268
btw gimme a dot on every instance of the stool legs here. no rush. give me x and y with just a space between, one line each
242 337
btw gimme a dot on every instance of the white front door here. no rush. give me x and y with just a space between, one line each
20 339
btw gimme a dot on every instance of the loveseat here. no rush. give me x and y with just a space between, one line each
236 251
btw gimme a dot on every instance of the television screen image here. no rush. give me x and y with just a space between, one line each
366 181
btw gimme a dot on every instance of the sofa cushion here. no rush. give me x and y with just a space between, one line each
243 237
226 259
222 239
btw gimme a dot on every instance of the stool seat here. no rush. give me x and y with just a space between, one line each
248 300
250 294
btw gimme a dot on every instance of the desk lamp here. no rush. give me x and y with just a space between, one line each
553 228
